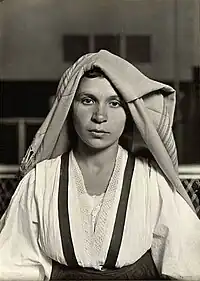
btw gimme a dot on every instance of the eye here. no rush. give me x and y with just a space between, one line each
115 103
87 101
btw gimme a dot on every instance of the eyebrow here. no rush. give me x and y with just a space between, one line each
94 97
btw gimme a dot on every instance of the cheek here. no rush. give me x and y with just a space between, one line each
80 118
119 121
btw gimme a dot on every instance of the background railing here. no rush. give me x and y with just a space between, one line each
189 174
25 131
185 171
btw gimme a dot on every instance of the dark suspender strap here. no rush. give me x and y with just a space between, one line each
66 238
121 214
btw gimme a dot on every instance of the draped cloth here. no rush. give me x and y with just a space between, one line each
151 105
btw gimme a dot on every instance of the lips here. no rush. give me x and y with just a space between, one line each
98 131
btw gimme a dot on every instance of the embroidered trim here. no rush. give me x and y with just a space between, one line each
93 240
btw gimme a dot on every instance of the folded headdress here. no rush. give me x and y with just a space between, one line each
151 105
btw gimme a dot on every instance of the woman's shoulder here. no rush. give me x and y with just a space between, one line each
48 163
150 167
143 165
42 168
140 158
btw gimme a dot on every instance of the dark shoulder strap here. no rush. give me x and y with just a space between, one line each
66 238
121 214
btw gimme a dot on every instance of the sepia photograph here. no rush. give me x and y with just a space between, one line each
99 140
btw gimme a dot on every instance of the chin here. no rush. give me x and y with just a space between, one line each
99 144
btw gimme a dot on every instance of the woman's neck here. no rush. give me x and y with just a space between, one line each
95 158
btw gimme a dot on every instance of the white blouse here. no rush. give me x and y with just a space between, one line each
156 218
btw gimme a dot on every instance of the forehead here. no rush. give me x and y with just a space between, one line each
97 86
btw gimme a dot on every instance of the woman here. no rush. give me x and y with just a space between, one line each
87 206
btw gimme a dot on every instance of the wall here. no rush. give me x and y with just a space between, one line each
31 33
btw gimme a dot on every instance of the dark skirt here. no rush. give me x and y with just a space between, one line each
142 269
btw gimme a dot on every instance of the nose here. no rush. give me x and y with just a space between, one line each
99 115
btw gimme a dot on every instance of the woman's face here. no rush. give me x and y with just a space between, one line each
97 112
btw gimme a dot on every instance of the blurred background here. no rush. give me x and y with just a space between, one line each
39 39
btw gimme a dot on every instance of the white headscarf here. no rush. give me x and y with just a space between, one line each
151 105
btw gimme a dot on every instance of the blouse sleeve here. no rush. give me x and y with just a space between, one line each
20 255
176 238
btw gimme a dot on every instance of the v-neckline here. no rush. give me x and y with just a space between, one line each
80 174
95 238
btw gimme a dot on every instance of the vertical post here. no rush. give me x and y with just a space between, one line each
196 45
91 43
122 45
179 126
176 48
21 139
196 82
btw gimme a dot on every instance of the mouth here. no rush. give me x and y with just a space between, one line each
98 133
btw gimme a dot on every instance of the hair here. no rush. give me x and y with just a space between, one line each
94 73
